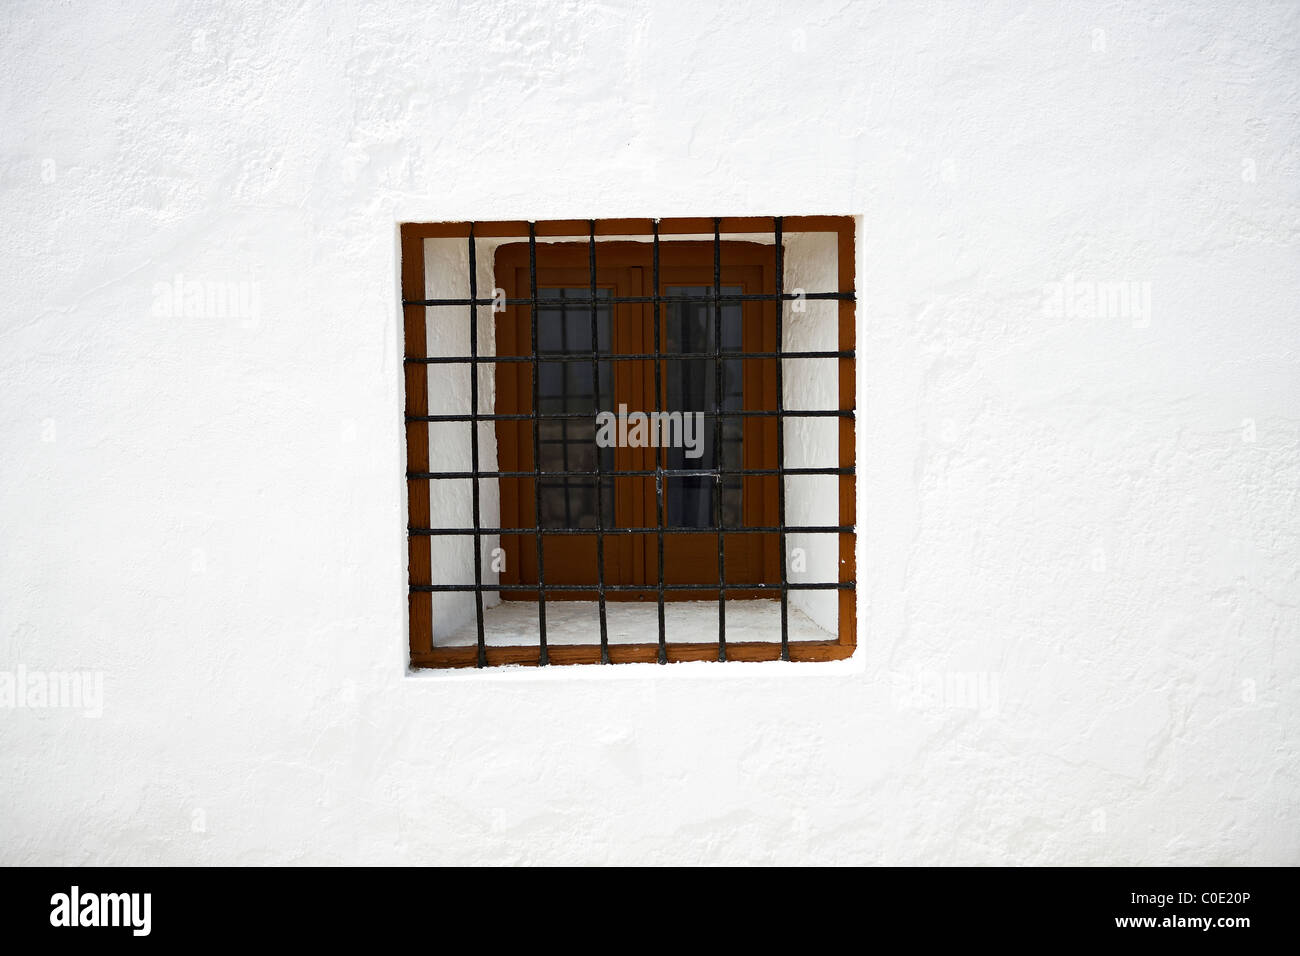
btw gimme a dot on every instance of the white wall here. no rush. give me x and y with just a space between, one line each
1078 577
451 502
811 263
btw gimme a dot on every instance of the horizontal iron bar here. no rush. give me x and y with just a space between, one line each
767 529
552 302
620 357
666 472
593 588
559 416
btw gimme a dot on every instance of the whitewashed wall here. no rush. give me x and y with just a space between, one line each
450 501
1078 525
812 264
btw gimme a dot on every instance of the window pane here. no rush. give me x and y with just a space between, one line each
567 387
689 386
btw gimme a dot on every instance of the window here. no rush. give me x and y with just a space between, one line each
625 419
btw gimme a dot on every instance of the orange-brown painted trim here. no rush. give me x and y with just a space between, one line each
577 228
419 547
443 657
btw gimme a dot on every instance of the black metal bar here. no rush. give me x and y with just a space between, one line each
559 301
742 529
717 437
542 656
481 660
556 416
646 473
564 403
600 481
622 357
659 453
780 441
592 588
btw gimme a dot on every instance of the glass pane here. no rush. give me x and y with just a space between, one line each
569 444
689 387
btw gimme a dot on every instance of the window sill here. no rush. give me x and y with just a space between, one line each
847 661
510 630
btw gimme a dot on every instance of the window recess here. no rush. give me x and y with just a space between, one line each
629 440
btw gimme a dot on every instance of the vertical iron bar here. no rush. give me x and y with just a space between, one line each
543 658
564 404
717 436
473 449
659 452
777 225
600 481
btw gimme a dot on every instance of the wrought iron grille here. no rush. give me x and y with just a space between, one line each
419 473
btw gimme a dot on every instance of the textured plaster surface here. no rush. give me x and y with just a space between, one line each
1078 528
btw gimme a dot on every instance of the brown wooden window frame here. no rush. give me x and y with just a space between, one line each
624 268
621 266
